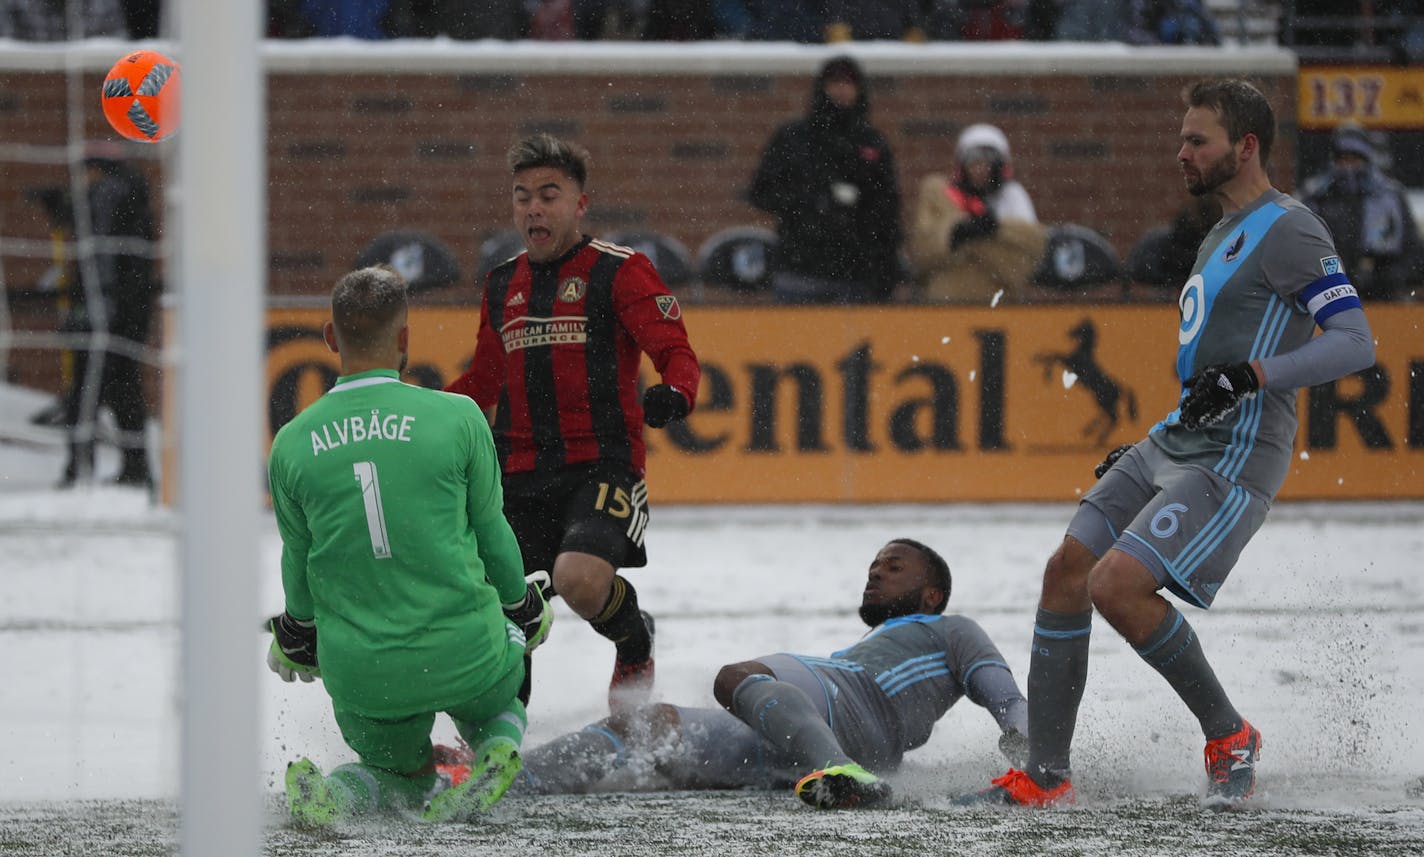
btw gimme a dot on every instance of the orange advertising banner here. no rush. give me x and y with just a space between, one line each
1374 96
935 404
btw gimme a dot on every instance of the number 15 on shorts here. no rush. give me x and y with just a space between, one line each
625 505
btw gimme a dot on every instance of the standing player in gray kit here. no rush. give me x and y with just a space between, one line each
1175 510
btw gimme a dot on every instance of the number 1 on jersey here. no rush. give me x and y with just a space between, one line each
375 513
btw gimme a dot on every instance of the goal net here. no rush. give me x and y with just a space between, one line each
131 345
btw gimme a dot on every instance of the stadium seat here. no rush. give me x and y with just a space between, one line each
497 247
1076 258
669 255
1150 260
737 258
419 257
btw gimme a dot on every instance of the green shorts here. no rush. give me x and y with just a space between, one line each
403 745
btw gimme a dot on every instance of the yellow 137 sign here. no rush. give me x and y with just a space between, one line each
1375 96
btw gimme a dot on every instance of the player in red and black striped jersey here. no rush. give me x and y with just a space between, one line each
563 327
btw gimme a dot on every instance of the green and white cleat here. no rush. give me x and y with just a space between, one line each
309 796
497 763
842 787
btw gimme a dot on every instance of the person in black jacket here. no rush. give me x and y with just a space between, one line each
829 180
121 220
1369 216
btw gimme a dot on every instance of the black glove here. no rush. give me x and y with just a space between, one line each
973 228
1014 745
1106 464
292 654
532 612
1214 392
663 403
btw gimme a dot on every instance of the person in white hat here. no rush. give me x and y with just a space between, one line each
976 236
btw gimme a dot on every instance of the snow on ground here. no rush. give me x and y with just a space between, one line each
1319 636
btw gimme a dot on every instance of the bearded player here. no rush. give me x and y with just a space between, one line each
830 726
1175 510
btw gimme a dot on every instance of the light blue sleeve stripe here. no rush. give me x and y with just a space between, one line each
977 664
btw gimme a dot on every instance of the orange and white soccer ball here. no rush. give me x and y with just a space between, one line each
140 96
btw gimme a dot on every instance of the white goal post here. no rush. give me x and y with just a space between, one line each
220 202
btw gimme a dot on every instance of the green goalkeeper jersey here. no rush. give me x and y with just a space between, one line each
388 500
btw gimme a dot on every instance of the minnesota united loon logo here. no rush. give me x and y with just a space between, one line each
1235 249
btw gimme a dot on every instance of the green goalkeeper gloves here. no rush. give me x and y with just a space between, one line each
532 613
292 654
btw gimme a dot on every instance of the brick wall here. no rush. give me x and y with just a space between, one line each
353 153
351 157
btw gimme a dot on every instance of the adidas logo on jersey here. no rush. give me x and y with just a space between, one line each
516 300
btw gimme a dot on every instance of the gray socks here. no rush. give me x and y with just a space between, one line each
785 717
573 762
1175 651
1057 671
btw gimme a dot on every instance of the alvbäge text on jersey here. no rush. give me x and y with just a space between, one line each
356 429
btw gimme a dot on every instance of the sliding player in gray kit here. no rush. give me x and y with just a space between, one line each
820 723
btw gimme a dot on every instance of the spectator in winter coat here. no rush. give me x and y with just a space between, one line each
120 291
1368 215
829 180
975 236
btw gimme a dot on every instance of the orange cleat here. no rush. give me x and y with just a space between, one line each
1231 768
1017 788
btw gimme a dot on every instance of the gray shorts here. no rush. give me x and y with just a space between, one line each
1184 522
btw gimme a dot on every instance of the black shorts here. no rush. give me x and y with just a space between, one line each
599 509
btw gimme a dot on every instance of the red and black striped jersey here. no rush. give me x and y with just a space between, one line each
558 352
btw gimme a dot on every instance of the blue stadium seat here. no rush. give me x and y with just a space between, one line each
1077 257
669 255
419 257
495 249
738 258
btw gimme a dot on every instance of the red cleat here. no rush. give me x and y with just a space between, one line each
1017 788
454 762
1231 767
632 682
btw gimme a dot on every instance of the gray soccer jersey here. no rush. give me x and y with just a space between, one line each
881 697
1264 277
921 664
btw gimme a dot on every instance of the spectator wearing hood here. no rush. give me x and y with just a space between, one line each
119 295
1368 215
975 236
829 180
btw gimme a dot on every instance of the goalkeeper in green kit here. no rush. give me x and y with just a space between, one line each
404 584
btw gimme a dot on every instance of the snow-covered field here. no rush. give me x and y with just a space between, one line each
1319 636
